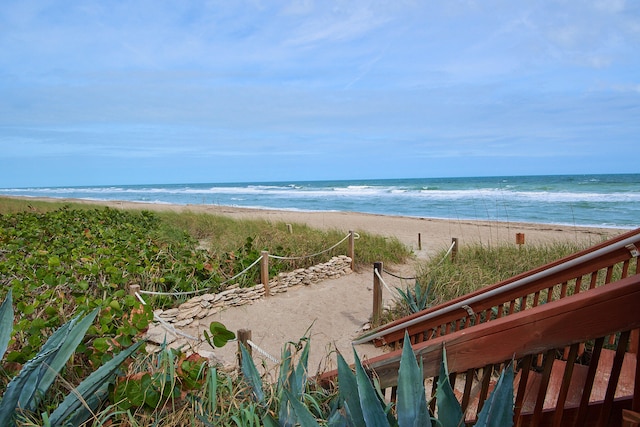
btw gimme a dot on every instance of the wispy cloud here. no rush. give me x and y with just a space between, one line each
188 82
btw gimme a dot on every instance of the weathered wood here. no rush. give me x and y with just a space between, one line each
264 272
533 331
133 289
352 249
244 335
454 250
575 273
377 294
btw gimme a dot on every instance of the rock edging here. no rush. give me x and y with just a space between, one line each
190 312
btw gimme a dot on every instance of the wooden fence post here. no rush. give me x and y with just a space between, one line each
290 228
419 242
264 272
244 335
454 250
133 289
352 250
377 294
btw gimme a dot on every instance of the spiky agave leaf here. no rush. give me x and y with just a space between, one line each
372 411
251 374
449 410
12 393
6 323
65 344
302 413
412 402
91 391
498 408
302 370
348 388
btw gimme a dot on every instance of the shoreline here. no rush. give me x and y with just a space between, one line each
422 234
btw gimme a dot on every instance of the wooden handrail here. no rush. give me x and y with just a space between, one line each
603 255
588 315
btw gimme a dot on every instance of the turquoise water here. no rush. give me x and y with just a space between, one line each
592 200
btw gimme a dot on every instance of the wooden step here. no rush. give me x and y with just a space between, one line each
624 389
626 381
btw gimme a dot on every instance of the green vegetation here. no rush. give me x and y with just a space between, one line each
357 400
58 259
478 266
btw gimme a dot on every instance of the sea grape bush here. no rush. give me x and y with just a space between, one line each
69 260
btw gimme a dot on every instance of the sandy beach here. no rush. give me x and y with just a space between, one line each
435 234
336 310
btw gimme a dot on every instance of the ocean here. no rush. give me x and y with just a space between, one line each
586 200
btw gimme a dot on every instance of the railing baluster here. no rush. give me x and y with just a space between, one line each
522 387
607 279
625 268
594 280
549 358
468 384
591 375
563 289
486 381
578 286
564 389
623 340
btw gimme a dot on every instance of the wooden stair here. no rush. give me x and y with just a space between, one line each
543 320
572 399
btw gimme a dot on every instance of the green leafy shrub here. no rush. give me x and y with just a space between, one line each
27 392
359 402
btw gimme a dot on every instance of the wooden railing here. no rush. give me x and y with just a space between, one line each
567 373
567 325
602 264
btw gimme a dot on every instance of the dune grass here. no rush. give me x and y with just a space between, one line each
478 266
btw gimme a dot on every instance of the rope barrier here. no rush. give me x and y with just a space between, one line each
448 252
262 352
383 282
198 291
398 277
166 325
205 289
355 236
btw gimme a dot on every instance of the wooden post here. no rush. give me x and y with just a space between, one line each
244 335
264 272
520 239
377 294
133 289
352 250
290 228
419 242
454 250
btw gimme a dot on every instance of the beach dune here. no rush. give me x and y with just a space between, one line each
336 310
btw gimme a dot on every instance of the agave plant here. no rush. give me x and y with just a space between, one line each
359 402
26 391
415 299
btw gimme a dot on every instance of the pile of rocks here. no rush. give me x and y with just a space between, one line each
202 306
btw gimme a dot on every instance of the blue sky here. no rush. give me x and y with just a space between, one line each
148 92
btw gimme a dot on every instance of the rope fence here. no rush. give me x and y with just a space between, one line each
264 274
351 236
378 281
262 352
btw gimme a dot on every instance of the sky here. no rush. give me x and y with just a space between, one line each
102 92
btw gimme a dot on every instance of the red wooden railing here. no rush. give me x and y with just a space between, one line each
571 327
611 260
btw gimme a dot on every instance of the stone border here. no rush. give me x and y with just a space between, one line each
210 304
